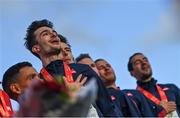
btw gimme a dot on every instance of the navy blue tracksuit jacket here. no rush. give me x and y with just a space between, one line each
140 101
172 92
124 103
103 102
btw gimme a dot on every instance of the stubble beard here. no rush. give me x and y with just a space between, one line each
146 76
54 51
110 80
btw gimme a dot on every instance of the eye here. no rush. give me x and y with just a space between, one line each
137 62
31 76
100 67
68 49
145 59
107 65
55 32
93 65
45 33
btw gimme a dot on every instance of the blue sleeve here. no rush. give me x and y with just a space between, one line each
103 101
177 96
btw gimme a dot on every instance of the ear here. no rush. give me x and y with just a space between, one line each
132 73
15 88
36 49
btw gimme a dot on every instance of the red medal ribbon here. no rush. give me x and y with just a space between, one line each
5 110
67 70
152 97
46 75
68 73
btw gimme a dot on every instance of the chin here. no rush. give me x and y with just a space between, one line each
146 76
56 50
111 78
68 61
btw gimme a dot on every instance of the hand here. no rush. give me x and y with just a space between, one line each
75 86
168 106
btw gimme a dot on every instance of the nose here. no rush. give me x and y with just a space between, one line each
64 53
53 34
106 68
144 62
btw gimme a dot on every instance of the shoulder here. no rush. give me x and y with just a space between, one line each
169 86
115 92
79 66
83 69
133 92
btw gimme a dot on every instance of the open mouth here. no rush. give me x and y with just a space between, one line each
54 41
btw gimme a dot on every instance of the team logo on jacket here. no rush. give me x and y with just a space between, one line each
129 94
113 97
166 88
73 71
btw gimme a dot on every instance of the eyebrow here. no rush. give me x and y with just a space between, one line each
100 66
67 48
139 59
136 61
43 32
145 58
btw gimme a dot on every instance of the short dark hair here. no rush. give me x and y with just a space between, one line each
10 76
130 65
30 38
64 40
100 59
82 56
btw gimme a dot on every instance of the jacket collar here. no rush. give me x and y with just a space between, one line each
148 84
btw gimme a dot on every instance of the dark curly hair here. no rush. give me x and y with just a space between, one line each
64 40
99 60
30 40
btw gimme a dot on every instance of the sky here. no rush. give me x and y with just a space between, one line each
109 29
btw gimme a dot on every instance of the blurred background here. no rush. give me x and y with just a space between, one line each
109 29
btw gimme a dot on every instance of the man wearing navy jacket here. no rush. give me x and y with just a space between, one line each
128 107
163 99
43 41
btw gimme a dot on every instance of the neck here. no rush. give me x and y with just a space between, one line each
17 98
146 80
111 85
48 59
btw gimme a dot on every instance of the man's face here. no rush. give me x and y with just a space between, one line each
48 41
141 68
89 62
106 71
66 53
25 77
